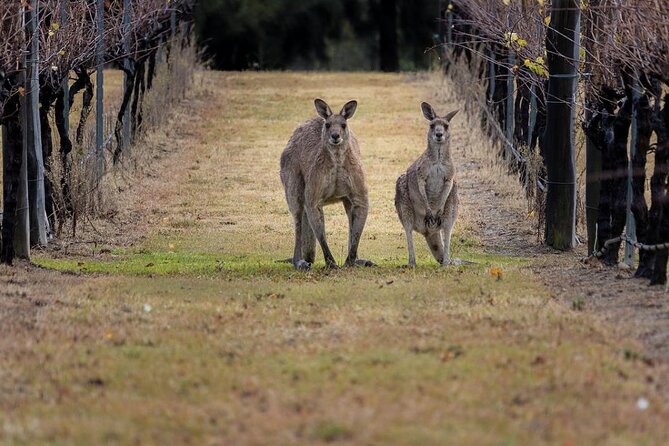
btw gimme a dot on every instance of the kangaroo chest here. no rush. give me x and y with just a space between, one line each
338 179
439 178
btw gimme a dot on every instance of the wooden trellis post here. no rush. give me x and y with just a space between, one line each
22 226
563 57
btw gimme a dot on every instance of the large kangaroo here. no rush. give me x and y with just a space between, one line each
320 166
426 196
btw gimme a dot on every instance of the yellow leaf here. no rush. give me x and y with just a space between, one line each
22 91
496 273
55 26
547 20
506 2
522 42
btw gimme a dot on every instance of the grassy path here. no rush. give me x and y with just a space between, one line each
196 334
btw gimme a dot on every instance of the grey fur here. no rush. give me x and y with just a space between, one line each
426 196
320 166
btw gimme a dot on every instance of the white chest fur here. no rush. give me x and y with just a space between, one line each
438 182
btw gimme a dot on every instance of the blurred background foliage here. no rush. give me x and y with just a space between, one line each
389 35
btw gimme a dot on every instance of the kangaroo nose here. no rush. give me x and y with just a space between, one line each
335 136
439 135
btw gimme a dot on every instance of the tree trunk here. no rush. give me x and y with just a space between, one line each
61 117
83 82
46 102
593 156
138 96
122 113
561 42
639 207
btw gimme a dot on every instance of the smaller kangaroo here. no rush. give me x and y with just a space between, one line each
426 196
321 165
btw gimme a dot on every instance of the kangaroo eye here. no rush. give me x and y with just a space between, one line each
343 126
327 125
432 126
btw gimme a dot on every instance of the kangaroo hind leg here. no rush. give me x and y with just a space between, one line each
308 240
357 216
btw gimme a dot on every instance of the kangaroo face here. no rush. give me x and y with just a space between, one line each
439 126
335 127
438 131
335 130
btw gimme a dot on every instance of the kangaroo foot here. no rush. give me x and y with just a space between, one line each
644 272
331 265
359 262
302 265
408 266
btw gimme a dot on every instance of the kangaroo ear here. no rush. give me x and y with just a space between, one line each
349 109
450 116
428 111
323 109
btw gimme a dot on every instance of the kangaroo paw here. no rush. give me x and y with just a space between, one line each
302 265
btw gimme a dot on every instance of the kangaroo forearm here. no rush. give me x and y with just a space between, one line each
423 195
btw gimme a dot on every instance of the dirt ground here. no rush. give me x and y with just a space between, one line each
635 309
172 321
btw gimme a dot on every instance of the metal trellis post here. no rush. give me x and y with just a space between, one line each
491 76
510 87
99 62
630 224
533 115
33 132
127 6
449 27
66 83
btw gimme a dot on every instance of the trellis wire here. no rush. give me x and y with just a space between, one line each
631 242
499 133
